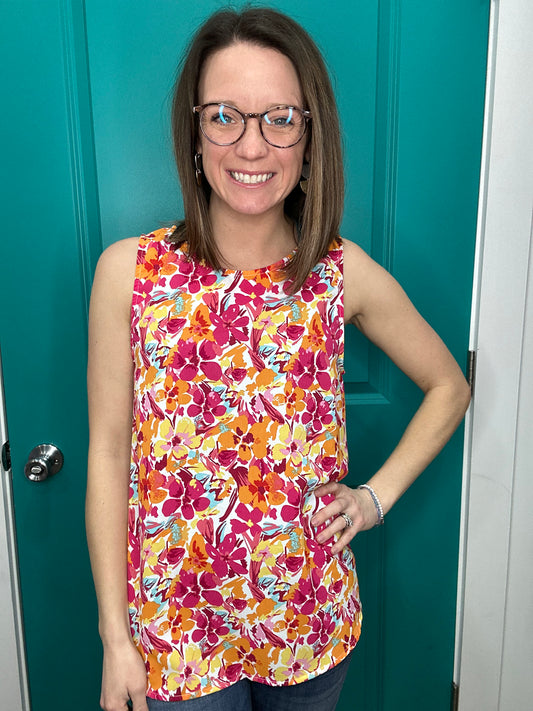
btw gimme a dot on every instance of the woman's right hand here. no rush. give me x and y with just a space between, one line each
123 678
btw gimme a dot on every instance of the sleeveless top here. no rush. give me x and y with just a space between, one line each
238 414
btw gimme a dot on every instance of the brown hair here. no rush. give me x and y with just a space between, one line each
316 214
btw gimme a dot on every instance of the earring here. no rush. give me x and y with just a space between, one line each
304 181
198 168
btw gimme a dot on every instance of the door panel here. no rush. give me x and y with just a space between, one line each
410 80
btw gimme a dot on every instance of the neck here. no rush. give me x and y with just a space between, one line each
252 241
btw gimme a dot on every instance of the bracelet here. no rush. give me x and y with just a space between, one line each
377 503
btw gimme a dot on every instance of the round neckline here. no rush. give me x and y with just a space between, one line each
275 267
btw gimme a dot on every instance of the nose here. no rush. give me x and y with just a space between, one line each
252 145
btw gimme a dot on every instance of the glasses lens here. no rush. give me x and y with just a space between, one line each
221 124
283 127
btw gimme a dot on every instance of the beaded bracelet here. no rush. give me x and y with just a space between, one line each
377 503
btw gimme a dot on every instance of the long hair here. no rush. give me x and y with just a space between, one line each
317 214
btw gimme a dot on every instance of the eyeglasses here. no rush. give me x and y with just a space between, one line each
281 126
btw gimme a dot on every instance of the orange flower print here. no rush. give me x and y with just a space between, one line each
293 398
197 558
315 339
201 327
294 624
255 491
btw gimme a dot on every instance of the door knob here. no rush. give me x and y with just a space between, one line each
43 461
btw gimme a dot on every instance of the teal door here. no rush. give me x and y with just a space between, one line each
84 121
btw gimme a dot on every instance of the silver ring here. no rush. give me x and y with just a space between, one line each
347 520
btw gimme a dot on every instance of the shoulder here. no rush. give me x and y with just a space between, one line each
356 261
118 260
121 254
115 275
365 281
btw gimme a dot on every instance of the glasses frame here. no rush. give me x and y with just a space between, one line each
245 116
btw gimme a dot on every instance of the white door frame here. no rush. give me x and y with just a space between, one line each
13 674
494 651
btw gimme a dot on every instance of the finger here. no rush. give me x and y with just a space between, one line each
330 511
346 535
114 703
138 701
323 489
336 526
343 541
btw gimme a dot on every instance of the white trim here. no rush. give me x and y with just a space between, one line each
501 314
13 672
474 324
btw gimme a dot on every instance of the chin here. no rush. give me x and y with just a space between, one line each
255 208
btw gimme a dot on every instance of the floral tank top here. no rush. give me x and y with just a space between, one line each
238 415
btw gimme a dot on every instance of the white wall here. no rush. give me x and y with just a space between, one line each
495 642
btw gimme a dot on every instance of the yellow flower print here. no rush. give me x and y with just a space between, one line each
269 323
298 665
292 446
152 547
152 318
186 431
181 439
266 552
189 669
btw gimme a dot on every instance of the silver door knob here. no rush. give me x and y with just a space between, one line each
43 461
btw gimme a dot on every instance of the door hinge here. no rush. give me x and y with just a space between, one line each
6 456
471 369
455 697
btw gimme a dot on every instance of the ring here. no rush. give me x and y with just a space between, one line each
347 520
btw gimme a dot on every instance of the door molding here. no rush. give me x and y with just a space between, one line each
81 140
493 564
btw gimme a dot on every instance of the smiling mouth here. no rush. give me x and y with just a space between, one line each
248 179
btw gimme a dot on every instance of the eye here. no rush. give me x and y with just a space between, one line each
284 117
222 115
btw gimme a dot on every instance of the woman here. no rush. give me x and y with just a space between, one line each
241 586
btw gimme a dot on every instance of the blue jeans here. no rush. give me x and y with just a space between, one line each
318 694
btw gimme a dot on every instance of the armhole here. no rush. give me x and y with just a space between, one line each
339 264
138 293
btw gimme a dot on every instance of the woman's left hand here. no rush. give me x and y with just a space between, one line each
356 503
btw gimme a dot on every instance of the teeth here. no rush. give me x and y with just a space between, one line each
251 179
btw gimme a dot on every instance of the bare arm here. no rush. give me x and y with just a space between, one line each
110 389
379 307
